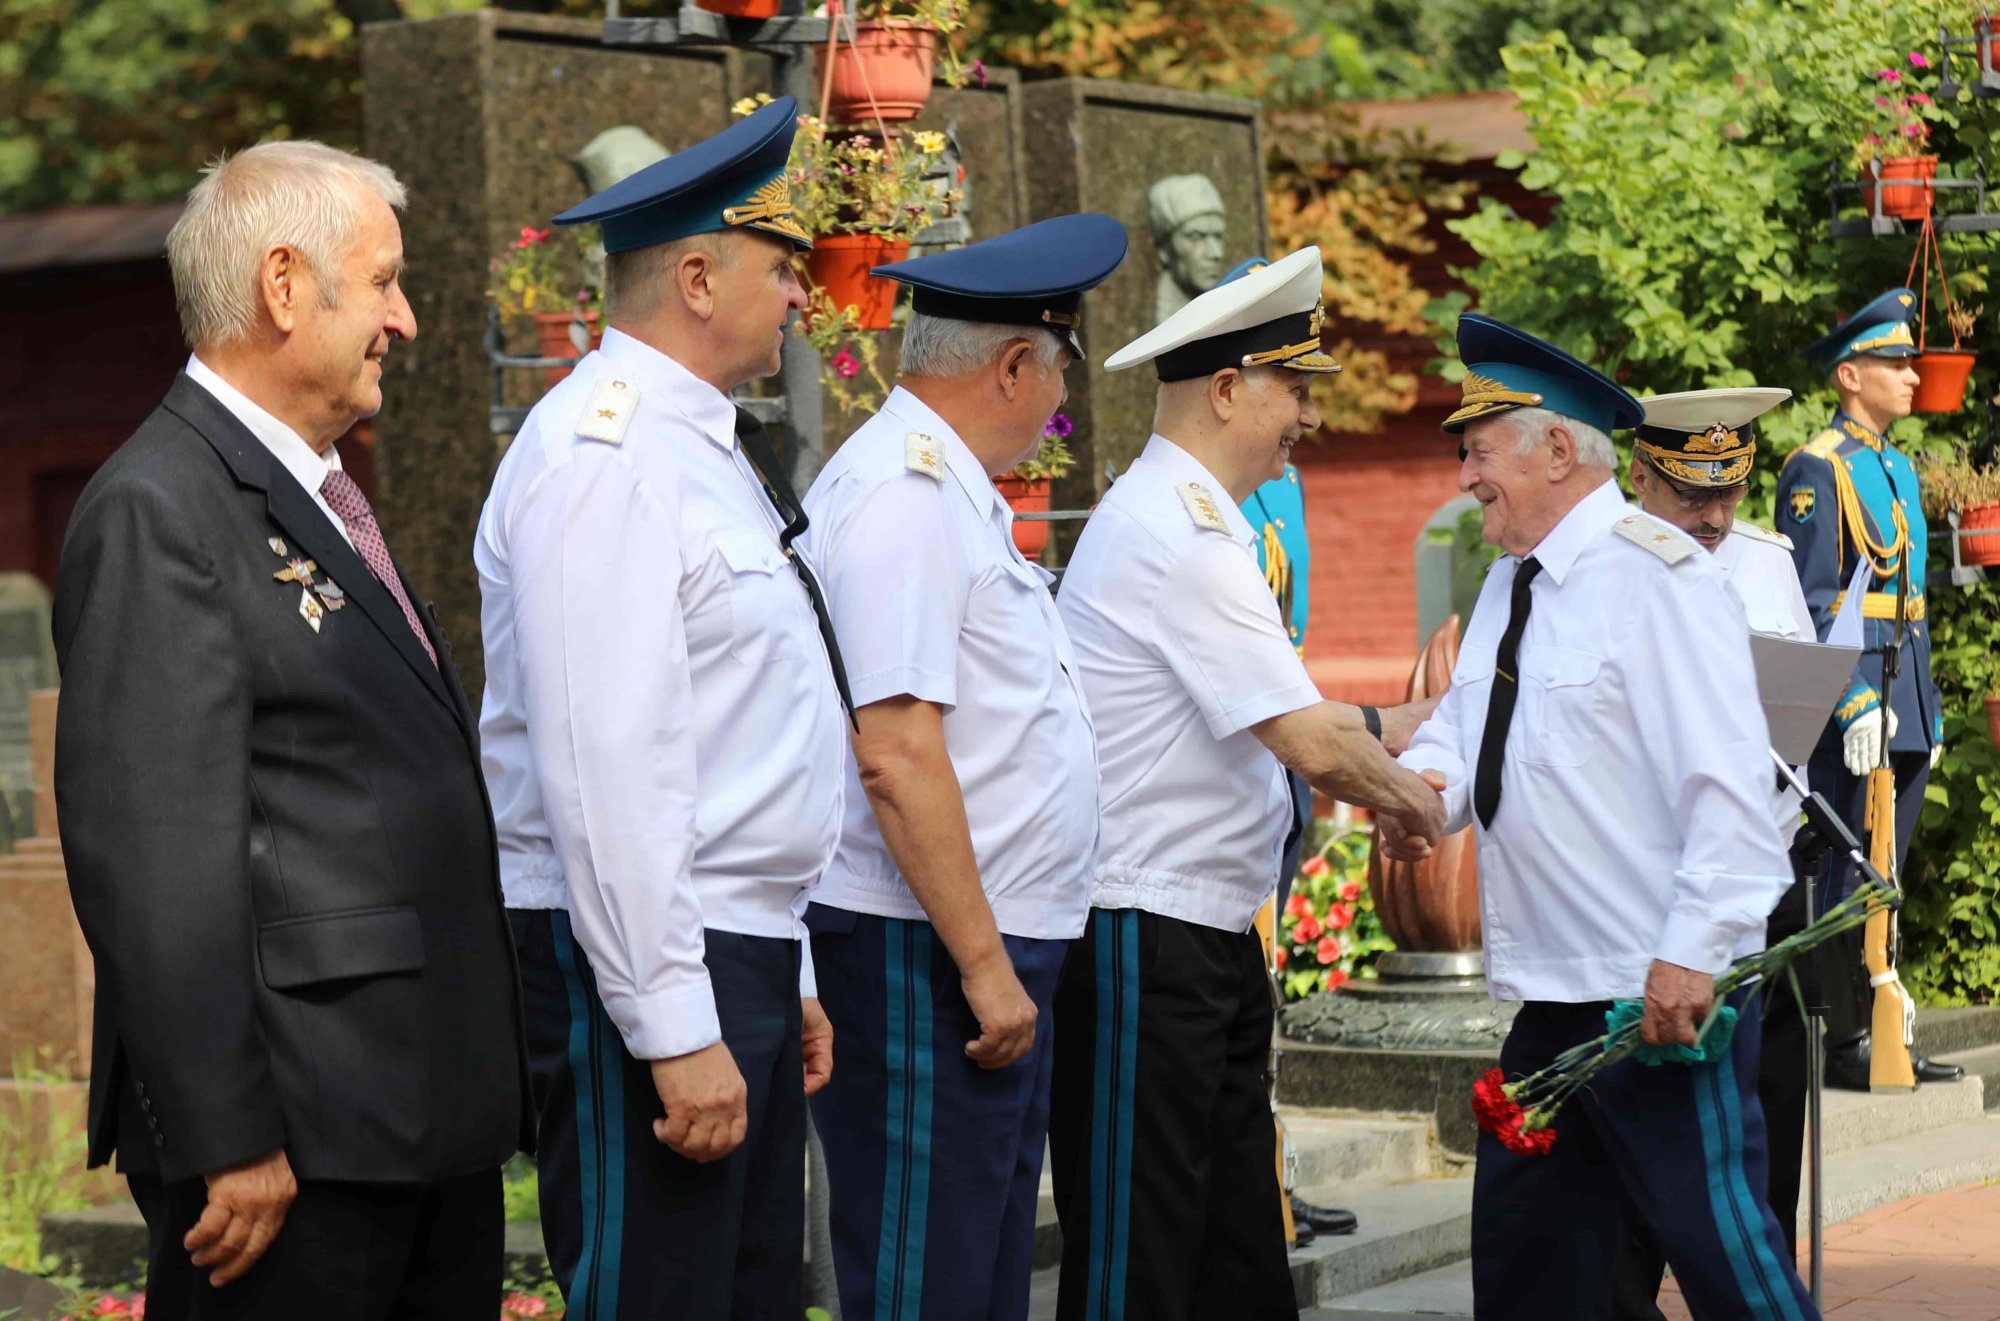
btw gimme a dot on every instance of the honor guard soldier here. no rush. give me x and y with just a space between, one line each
1161 1128
1602 730
1691 462
970 833
1847 496
663 733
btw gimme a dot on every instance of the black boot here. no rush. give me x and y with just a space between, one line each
1324 1219
1847 1065
1930 1070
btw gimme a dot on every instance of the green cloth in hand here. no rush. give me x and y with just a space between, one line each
1722 1027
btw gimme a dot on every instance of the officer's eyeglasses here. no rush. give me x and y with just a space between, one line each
1695 499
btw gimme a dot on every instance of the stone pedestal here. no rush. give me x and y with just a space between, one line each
47 978
27 663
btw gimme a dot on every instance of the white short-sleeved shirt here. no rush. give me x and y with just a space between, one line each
1635 808
1182 650
1759 567
930 599
661 735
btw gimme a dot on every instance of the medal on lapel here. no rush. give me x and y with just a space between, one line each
317 597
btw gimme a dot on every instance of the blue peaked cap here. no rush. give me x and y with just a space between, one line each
1881 330
1506 368
1243 268
735 179
1032 276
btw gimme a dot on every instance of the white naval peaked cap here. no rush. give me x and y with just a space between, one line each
1268 318
1704 438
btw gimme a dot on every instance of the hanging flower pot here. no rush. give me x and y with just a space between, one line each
840 264
552 330
1993 718
1904 201
885 72
1941 376
741 8
1980 550
1027 496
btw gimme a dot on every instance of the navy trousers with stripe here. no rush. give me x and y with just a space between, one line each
1160 1131
934 1163
1680 1148
635 1232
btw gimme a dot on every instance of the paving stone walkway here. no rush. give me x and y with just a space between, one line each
1929 1258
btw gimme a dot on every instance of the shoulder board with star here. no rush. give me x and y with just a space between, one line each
924 454
1201 507
608 412
1648 533
1752 532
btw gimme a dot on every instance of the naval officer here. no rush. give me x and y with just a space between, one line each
1602 730
1845 496
970 834
1161 1126
663 734
1691 463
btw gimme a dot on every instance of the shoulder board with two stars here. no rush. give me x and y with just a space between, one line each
1650 534
924 454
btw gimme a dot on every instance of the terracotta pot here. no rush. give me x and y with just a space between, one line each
1025 496
1903 201
840 264
552 330
1941 375
1993 718
885 73
1433 905
741 8
1980 550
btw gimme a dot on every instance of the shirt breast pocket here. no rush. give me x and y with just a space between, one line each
765 597
1559 702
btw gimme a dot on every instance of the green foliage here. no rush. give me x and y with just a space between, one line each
41 1165
1689 248
1329 932
521 1189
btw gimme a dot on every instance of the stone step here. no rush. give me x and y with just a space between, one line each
1855 1120
1968 1027
1405 1229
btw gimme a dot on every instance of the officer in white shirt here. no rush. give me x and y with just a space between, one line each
1603 730
1161 1126
965 859
663 739
1691 462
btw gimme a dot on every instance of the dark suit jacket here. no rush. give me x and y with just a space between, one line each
278 840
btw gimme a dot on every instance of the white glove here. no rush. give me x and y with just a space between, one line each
1937 754
1861 745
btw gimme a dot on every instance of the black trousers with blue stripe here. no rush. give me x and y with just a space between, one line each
1679 1148
635 1232
1160 1131
934 1163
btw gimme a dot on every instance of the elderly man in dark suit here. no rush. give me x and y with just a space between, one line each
308 1038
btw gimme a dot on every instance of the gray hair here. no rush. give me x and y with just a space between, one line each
941 346
300 195
1593 448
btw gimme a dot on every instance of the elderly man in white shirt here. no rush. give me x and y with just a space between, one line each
1161 1131
663 738
1603 730
971 830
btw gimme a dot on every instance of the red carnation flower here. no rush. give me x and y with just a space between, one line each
1280 957
1350 893
1298 905
1340 917
1308 930
1315 867
1335 979
1328 949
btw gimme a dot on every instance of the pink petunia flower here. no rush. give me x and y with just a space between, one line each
1921 98
845 365
979 72
1917 60
1891 76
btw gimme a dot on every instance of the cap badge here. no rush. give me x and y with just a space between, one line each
1716 440
769 208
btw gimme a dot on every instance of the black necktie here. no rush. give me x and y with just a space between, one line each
1500 706
756 444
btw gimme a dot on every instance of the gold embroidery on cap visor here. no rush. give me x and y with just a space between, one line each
1483 396
1899 334
1727 467
769 209
1303 356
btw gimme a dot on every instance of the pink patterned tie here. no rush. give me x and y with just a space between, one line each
345 499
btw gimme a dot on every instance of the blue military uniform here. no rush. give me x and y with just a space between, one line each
1845 496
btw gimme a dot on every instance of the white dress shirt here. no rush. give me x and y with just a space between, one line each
661 734
1764 578
930 599
1182 651
287 446
1634 820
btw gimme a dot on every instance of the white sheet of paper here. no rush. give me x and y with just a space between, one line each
1800 683
1845 630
